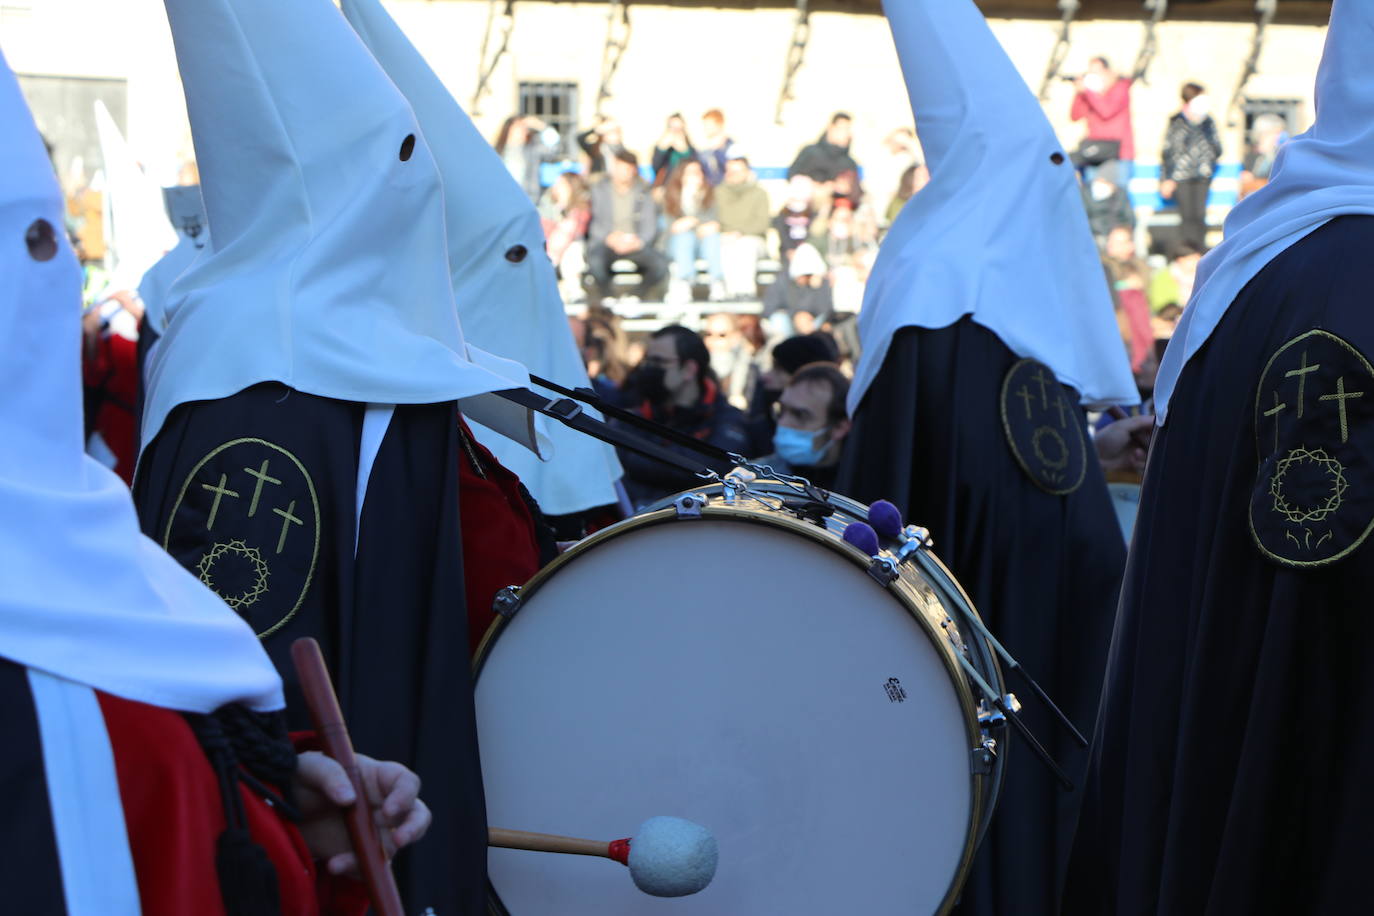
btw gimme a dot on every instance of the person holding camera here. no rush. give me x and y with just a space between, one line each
1103 99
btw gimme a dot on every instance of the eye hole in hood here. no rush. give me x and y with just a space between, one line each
41 240
516 253
407 147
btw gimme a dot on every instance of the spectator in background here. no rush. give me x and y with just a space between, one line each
796 220
566 213
675 386
732 358
605 351
1103 99
524 143
824 160
624 225
913 180
1267 134
600 143
742 207
1189 160
1129 276
851 240
786 358
811 424
693 231
714 151
883 177
1172 286
800 296
672 148
1108 206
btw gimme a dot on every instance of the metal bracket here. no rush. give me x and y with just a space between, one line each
883 570
507 601
1155 11
983 757
1264 14
1068 9
796 56
689 505
486 68
617 39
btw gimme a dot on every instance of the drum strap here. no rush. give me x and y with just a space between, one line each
592 399
570 414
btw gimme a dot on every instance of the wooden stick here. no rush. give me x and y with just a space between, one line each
546 842
328 719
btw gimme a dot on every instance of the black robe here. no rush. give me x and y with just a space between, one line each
1230 769
1042 569
30 868
256 494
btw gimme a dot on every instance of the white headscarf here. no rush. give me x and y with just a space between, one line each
509 306
83 595
327 269
1000 232
1317 176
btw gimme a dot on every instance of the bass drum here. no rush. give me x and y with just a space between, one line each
726 660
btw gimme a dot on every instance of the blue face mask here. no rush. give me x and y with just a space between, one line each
797 446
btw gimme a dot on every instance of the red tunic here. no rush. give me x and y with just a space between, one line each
174 816
499 543
113 369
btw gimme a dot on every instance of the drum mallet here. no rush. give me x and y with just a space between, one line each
667 857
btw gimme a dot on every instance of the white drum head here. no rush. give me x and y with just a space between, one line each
738 675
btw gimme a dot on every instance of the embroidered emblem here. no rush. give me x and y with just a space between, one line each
1044 428
1314 414
247 523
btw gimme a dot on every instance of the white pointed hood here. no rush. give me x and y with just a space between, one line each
1317 176
327 269
1000 232
140 233
503 281
156 286
83 595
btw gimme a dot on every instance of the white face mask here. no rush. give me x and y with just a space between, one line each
1200 107
1101 190
1094 82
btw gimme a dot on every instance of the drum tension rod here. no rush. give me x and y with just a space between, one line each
977 623
1006 710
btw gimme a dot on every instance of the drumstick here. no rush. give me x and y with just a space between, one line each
328 719
667 857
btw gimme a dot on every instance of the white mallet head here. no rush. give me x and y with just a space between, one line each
672 857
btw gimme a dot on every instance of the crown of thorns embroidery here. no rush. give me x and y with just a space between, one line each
1334 471
205 569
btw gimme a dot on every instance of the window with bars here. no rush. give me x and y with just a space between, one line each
554 103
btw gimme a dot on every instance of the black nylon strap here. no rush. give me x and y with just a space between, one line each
592 399
570 414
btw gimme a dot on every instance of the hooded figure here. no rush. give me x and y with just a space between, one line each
138 227
110 652
503 281
300 431
1224 778
986 324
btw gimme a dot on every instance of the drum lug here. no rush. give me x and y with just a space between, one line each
507 601
983 757
883 570
993 718
689 505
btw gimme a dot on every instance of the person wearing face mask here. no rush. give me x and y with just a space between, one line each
1189 160
675 386
812 424
787 357
1103 100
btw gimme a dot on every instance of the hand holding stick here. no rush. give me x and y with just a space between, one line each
329 723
